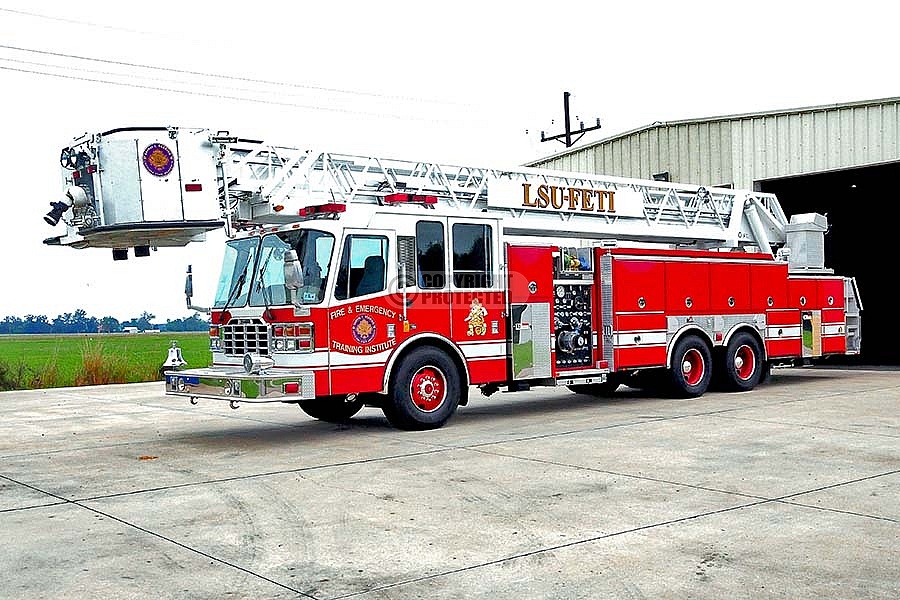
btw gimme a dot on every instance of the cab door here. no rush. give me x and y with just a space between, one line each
365 317
477 297
424 257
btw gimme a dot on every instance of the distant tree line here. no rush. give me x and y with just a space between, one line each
80 322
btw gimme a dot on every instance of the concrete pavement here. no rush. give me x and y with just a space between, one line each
790 491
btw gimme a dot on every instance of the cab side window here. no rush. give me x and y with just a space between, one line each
363 268
431 273
472 257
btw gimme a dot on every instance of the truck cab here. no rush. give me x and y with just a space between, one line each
327 312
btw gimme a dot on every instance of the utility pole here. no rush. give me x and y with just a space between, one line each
566 137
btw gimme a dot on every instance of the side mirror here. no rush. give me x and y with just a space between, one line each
189 285
293 276
189 292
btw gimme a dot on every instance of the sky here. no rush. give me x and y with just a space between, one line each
467 82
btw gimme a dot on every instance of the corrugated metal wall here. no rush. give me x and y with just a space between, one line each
743 149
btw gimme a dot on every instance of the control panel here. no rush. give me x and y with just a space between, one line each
572 319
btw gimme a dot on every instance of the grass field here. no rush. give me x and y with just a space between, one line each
41 361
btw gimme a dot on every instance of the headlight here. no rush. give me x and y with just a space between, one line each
292 337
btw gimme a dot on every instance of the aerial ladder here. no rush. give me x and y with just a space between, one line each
168 186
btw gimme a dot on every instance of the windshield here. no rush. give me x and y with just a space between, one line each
234 281
314 254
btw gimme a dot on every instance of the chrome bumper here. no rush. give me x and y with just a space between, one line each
236 385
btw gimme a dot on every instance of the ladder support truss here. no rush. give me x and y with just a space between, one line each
262 177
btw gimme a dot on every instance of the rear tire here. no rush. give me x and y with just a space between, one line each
742 363
691 370
331 409
425 390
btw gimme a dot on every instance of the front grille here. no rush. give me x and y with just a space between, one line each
241 336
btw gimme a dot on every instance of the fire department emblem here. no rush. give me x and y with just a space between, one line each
363 329
158 159
477 313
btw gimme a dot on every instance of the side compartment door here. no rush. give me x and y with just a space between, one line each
530 274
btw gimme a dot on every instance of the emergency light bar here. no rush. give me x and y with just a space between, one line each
416 198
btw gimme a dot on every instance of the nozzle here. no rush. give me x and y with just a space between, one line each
56 212
75 196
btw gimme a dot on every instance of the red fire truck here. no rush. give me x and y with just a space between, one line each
353 280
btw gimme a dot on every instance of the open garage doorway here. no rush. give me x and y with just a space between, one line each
863 240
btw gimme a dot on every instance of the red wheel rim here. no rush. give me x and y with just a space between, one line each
692 367
428 389
744 362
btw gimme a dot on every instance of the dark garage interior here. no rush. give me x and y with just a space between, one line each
863 213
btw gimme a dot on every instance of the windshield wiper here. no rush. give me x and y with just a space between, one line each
260 284
235 290
264 289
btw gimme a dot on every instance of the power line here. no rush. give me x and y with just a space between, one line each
223 96
226 77
48 65
76 22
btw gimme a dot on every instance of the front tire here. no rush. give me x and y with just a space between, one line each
425 391
331 410
691 370
742 363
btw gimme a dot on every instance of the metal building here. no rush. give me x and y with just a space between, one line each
842 160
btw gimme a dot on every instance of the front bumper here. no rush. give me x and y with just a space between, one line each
236 385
